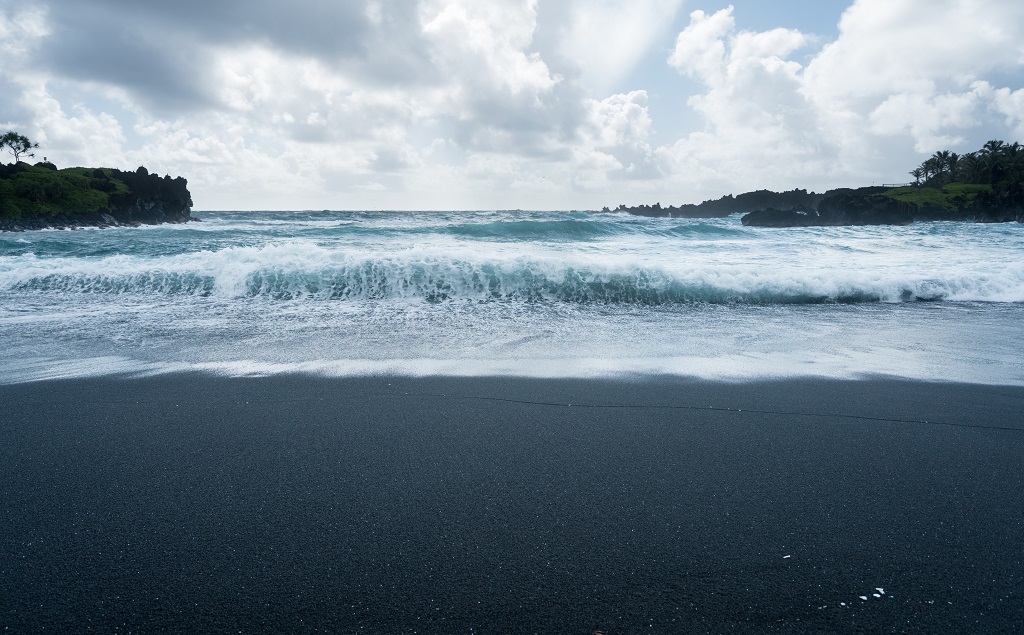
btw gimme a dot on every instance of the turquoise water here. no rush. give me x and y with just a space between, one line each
520 293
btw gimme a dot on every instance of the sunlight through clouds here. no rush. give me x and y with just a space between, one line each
607 38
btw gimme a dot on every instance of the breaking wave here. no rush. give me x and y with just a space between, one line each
307 271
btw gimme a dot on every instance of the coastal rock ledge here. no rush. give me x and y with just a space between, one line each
42 197
899 206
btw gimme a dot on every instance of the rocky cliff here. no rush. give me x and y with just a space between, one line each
41 196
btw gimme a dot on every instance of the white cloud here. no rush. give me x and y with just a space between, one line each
757 122
1009 103
911 66
903 77
615 141
80 138
925 115
485 45
21 31
458 103
620 121
890 47
700 48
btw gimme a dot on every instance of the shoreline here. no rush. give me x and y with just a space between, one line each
71 222
393 504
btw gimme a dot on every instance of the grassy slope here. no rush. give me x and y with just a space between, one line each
38 191
953 197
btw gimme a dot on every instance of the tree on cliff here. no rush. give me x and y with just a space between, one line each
995 163
17 145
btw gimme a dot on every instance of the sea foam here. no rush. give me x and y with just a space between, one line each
520 293
308 270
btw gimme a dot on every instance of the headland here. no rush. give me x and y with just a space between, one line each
986 186
42 197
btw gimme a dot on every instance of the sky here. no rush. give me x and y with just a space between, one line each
508 104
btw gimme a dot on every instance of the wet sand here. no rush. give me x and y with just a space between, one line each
447 505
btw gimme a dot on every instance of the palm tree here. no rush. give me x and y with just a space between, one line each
917 173
1013 159
995 146
939 162
971 168
993 167
994 163
944 163
952 161
930 169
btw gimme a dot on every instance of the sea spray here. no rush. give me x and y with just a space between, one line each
307 270
514 292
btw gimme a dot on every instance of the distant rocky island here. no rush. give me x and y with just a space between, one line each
986 186
40 196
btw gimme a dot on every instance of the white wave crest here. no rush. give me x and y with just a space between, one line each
304 269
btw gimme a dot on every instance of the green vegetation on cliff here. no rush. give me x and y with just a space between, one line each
952 197
40 195
987 183
42 190
986 186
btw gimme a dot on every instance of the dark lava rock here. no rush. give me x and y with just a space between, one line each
772 217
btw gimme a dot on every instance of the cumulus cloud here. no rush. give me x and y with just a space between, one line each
508 103
756 118
1007 103
912 66
903 77
82 136
505 94
616 140
345 92
900 46
22 30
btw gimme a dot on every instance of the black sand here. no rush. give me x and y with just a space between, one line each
193 504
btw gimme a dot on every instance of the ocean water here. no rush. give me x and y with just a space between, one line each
540 294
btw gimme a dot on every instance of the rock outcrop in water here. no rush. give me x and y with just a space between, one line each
42 197
728 205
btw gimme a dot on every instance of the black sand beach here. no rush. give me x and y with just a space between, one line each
382 505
